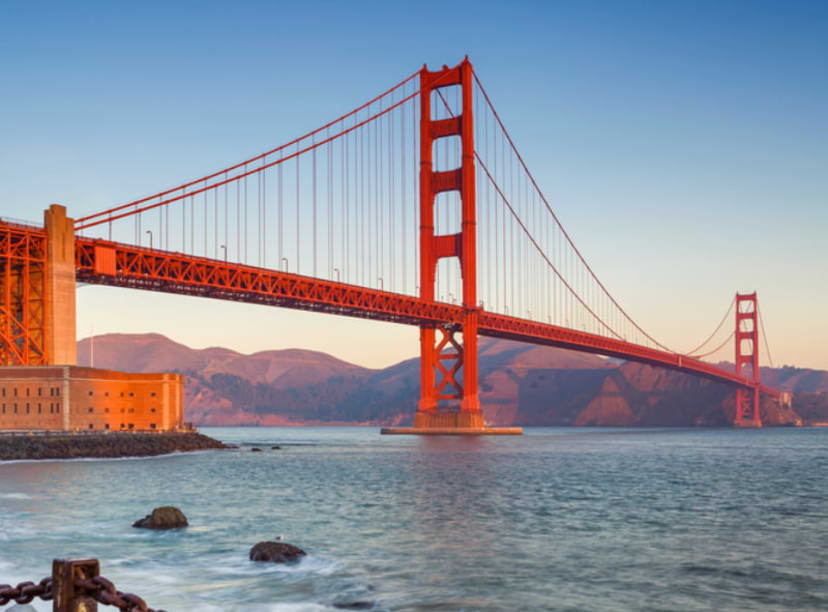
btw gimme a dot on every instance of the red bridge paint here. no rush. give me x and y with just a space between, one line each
28 257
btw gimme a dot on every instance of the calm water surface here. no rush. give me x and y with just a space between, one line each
558 519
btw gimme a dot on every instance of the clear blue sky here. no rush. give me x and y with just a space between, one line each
684 145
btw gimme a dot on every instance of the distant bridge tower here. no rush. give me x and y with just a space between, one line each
448 356
747 354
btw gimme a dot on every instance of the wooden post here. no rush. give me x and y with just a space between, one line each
64 574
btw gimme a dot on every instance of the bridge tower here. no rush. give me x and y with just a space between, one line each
449 355
747 354
37 292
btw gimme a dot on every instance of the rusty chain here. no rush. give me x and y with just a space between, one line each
98 588
103 591
25 592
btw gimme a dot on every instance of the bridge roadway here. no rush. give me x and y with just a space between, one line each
122 265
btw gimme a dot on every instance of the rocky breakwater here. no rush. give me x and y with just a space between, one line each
56 445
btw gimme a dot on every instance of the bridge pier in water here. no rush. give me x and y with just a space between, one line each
747 354
443 359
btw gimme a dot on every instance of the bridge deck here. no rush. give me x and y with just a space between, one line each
109 263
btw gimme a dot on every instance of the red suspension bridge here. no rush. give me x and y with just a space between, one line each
415 208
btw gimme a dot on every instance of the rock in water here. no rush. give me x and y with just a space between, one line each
277 552
165 517
255 450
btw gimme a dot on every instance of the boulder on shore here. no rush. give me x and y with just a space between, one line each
165 517
276 552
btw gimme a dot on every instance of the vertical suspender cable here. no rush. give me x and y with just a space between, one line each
342 198
361 250
313 158
238 221
298 268
226 187
347 245
329 194
383 239
403 227
183 224
391 214
258 219
246 214
280 216
205 224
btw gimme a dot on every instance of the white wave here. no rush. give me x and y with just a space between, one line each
306 566
86 459
272 607
14 496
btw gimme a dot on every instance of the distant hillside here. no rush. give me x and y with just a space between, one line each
519 384
791 378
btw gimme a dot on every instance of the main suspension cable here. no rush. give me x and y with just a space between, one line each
554 216
765 337
282 147
718 348
715 331
540 250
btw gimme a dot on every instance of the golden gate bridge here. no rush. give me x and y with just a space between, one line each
416 208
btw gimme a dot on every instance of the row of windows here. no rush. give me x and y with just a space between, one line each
53 391
53 409
131 393
129 426
123 410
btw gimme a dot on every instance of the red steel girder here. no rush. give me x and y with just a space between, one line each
153 270
22 294
178 273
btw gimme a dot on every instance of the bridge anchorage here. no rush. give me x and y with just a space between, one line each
338 239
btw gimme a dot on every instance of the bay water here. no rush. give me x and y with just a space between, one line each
556 519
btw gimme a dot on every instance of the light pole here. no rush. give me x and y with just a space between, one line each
337 274
287 263
223 246
381 284
150 235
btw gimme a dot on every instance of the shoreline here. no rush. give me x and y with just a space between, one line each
114 445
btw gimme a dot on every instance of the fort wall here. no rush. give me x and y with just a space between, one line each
78 398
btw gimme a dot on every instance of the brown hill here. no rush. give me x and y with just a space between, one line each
519 384
157 353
